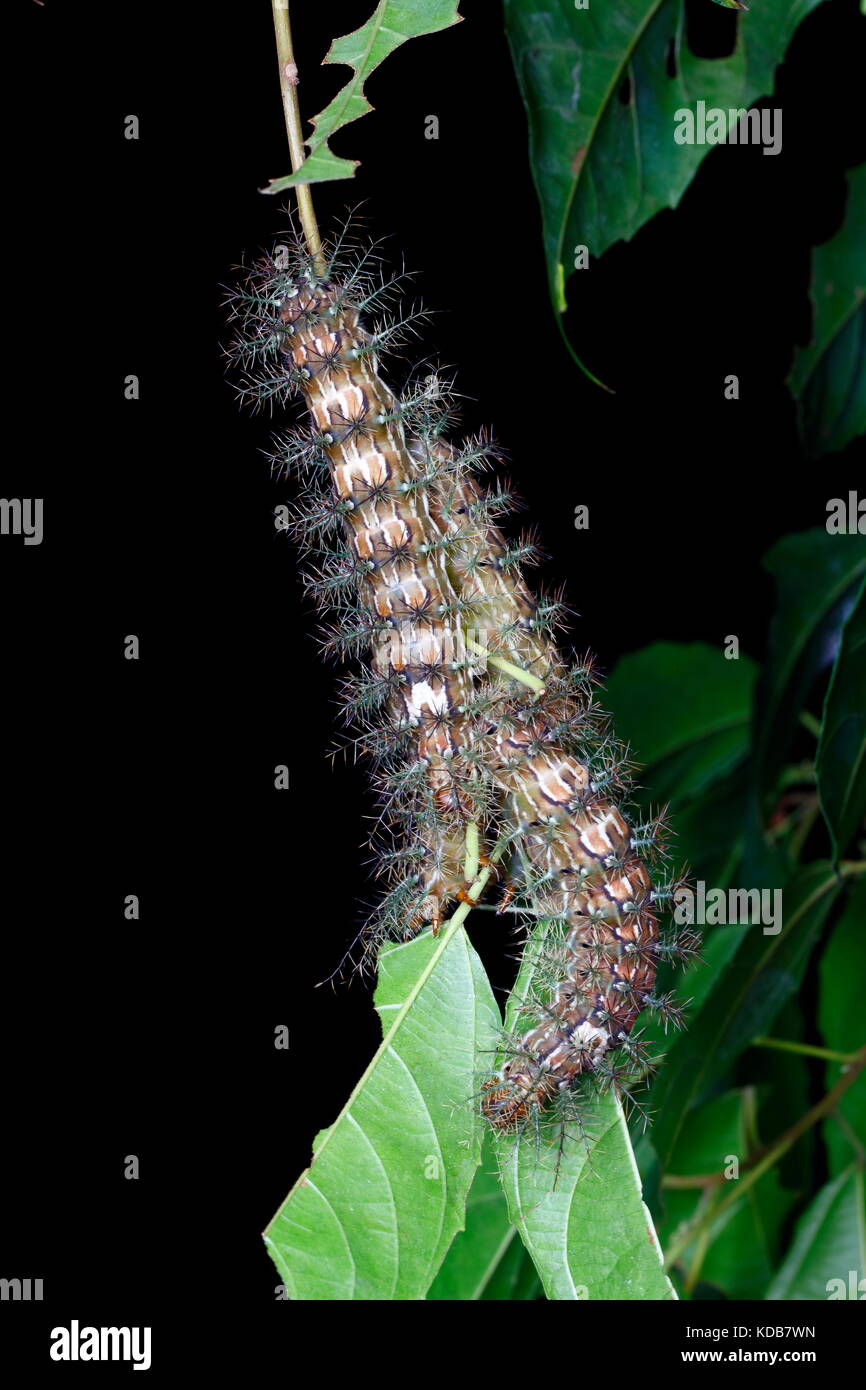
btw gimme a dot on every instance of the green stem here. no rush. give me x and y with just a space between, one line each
291 111
810 722
478 886
515 672
804 1049
852 868
471 861
769 1159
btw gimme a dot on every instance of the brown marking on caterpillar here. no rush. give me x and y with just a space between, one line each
428 552
402 578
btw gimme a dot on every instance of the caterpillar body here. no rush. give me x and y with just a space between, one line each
470 713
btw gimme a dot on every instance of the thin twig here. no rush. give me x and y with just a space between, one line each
759 1164
291 110
516 673
804 1049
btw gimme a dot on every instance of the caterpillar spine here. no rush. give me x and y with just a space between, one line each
407 551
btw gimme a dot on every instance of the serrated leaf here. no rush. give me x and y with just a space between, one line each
374 1215
580 1211
604 166
390 25
742 1003
818 576
696 727
842 1024
841 761
828 378
829 1246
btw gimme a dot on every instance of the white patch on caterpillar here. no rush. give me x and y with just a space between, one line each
429 550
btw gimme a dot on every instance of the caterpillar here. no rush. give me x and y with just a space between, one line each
465 705
584 871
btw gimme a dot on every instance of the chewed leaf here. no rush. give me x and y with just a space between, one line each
390 25
610 91
375 1213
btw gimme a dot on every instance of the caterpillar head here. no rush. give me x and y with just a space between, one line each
519 1090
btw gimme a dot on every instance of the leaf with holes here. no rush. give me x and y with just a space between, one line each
603 88
375 1213
390 25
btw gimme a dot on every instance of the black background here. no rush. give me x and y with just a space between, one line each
155 777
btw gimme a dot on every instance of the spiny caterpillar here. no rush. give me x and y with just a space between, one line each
406 550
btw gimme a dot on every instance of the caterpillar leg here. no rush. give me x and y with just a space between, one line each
509 892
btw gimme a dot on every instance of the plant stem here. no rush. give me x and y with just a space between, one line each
471 861
804 1049
516 672
761 1163
291 110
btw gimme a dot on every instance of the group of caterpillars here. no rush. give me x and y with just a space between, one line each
468 712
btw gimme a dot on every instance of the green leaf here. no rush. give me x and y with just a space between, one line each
390 25
373 1216
709 830
487 1260
488 1240
603 166
515 1280
738 1254
742 1003
783 1081
696 727
579 1209
686 739
842 1023
841 762
829 1245
817 579
828 378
